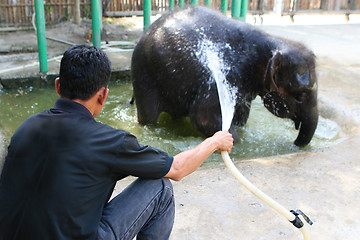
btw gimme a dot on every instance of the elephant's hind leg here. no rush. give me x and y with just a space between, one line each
146 97
148 107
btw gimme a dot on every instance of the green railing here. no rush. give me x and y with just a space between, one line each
238 8
41 36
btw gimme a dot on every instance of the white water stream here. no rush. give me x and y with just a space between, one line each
211 55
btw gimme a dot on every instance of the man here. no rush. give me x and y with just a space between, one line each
62 167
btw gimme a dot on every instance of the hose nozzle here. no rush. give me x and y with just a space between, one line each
297 221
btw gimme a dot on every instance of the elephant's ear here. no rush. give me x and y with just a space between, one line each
272 68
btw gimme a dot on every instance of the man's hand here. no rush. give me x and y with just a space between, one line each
224 141
186 162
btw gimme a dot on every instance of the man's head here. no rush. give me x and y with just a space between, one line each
83 71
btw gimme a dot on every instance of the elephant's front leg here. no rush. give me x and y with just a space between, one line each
242 111
205 115
208 120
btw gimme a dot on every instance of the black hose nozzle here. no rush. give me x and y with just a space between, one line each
297 221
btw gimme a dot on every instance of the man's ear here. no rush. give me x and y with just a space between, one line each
102 95
57 85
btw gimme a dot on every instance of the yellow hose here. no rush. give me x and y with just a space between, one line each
269 201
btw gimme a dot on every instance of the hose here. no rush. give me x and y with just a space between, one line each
292 216
28 65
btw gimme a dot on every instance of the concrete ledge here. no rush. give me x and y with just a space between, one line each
27 74
13 82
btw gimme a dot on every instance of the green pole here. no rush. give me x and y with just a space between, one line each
95 14
147 13
235 8
41 37
244 6
208 3
181 3
224 6
171 5
194 2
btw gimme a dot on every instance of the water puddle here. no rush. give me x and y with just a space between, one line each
263 135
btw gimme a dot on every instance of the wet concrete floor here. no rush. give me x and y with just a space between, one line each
323 183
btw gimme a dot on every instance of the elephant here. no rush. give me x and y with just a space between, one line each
177 58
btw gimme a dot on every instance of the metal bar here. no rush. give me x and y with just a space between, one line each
296 5
41 35
181 3
30 5
96 28
235 8
243 11
208 3
77 14
171 5
61 41
224 6
255 12
194 2
262 5
353 4
129 13
147 13
321 12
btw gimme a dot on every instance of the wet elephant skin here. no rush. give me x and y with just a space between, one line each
175 62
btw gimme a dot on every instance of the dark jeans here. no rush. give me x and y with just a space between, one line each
145 208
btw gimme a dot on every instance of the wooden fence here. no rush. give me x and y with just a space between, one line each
319 6
20 12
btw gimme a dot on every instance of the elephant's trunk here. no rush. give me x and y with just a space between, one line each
308 126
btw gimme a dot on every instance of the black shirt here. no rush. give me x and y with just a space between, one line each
60 172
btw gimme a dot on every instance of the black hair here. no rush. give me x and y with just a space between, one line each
83 71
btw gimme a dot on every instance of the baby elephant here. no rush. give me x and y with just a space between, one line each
177 60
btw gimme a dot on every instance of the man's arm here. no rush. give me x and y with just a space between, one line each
188 161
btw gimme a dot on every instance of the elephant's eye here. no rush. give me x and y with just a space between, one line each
301 97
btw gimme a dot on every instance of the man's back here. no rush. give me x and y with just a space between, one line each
54 187
60 172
